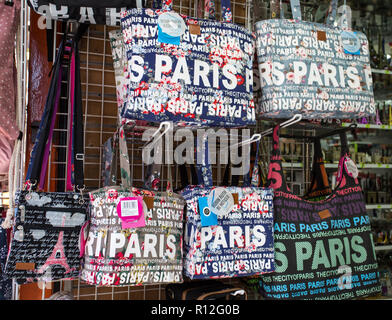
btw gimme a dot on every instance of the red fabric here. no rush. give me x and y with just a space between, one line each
9 21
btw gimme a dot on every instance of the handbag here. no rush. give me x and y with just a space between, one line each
5 281
120 66
313 69
228 230
198 72
135 235
48 225
89 12
323 249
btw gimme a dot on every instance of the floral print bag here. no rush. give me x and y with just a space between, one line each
190 71
228 230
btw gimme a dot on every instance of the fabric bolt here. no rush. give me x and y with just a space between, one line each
9 21
48 226
199 75
91 12
319 185
324 249
6 148
317 70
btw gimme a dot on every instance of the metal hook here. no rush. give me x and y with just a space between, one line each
293 120
256 137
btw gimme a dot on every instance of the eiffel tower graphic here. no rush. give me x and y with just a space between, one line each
57 256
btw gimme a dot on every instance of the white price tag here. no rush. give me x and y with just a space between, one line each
221 202
129 208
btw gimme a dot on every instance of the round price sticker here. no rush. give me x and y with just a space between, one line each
221 202
351 43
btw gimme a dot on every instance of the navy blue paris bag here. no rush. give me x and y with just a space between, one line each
188 70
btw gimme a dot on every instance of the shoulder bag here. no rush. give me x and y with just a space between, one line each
317 70
190 71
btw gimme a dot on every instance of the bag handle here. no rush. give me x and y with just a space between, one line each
126 176
319 182
296 11
37 153
253 181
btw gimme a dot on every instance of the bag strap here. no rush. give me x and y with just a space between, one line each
203 167
276 177
70 151
49 142
126 176
319 185
78 155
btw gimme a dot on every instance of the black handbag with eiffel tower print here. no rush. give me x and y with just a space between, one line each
48 226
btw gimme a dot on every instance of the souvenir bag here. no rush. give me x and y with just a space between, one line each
319 189
229 230
89 12
317 70
323 249
135 235
187 70
120 66
47 225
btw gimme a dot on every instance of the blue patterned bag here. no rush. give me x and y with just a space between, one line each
317 70
5 281
229 230
188 70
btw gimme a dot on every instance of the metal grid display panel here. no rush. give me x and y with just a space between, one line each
100 123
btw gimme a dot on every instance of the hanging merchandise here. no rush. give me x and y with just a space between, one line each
89 12
319 186
186 70
47 225
229 230
205 290
323 249
317 70
135 235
